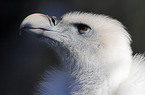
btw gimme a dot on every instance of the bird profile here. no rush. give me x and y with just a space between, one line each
95 55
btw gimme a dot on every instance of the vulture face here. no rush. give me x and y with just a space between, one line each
65 31
78 31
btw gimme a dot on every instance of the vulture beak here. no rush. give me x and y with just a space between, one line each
38 23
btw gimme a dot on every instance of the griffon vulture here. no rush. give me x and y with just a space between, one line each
95 55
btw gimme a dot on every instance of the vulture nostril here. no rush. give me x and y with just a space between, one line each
53 19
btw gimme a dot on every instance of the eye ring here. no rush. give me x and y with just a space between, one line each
83 28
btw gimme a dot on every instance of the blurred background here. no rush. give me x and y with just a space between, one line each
23 58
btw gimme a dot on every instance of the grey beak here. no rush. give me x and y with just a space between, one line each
37 23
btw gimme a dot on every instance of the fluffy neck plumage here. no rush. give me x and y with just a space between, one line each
76 76
79 74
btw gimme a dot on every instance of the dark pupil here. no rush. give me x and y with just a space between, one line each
83 29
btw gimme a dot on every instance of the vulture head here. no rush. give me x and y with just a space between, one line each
98 44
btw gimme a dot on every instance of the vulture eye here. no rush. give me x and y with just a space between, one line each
83 29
